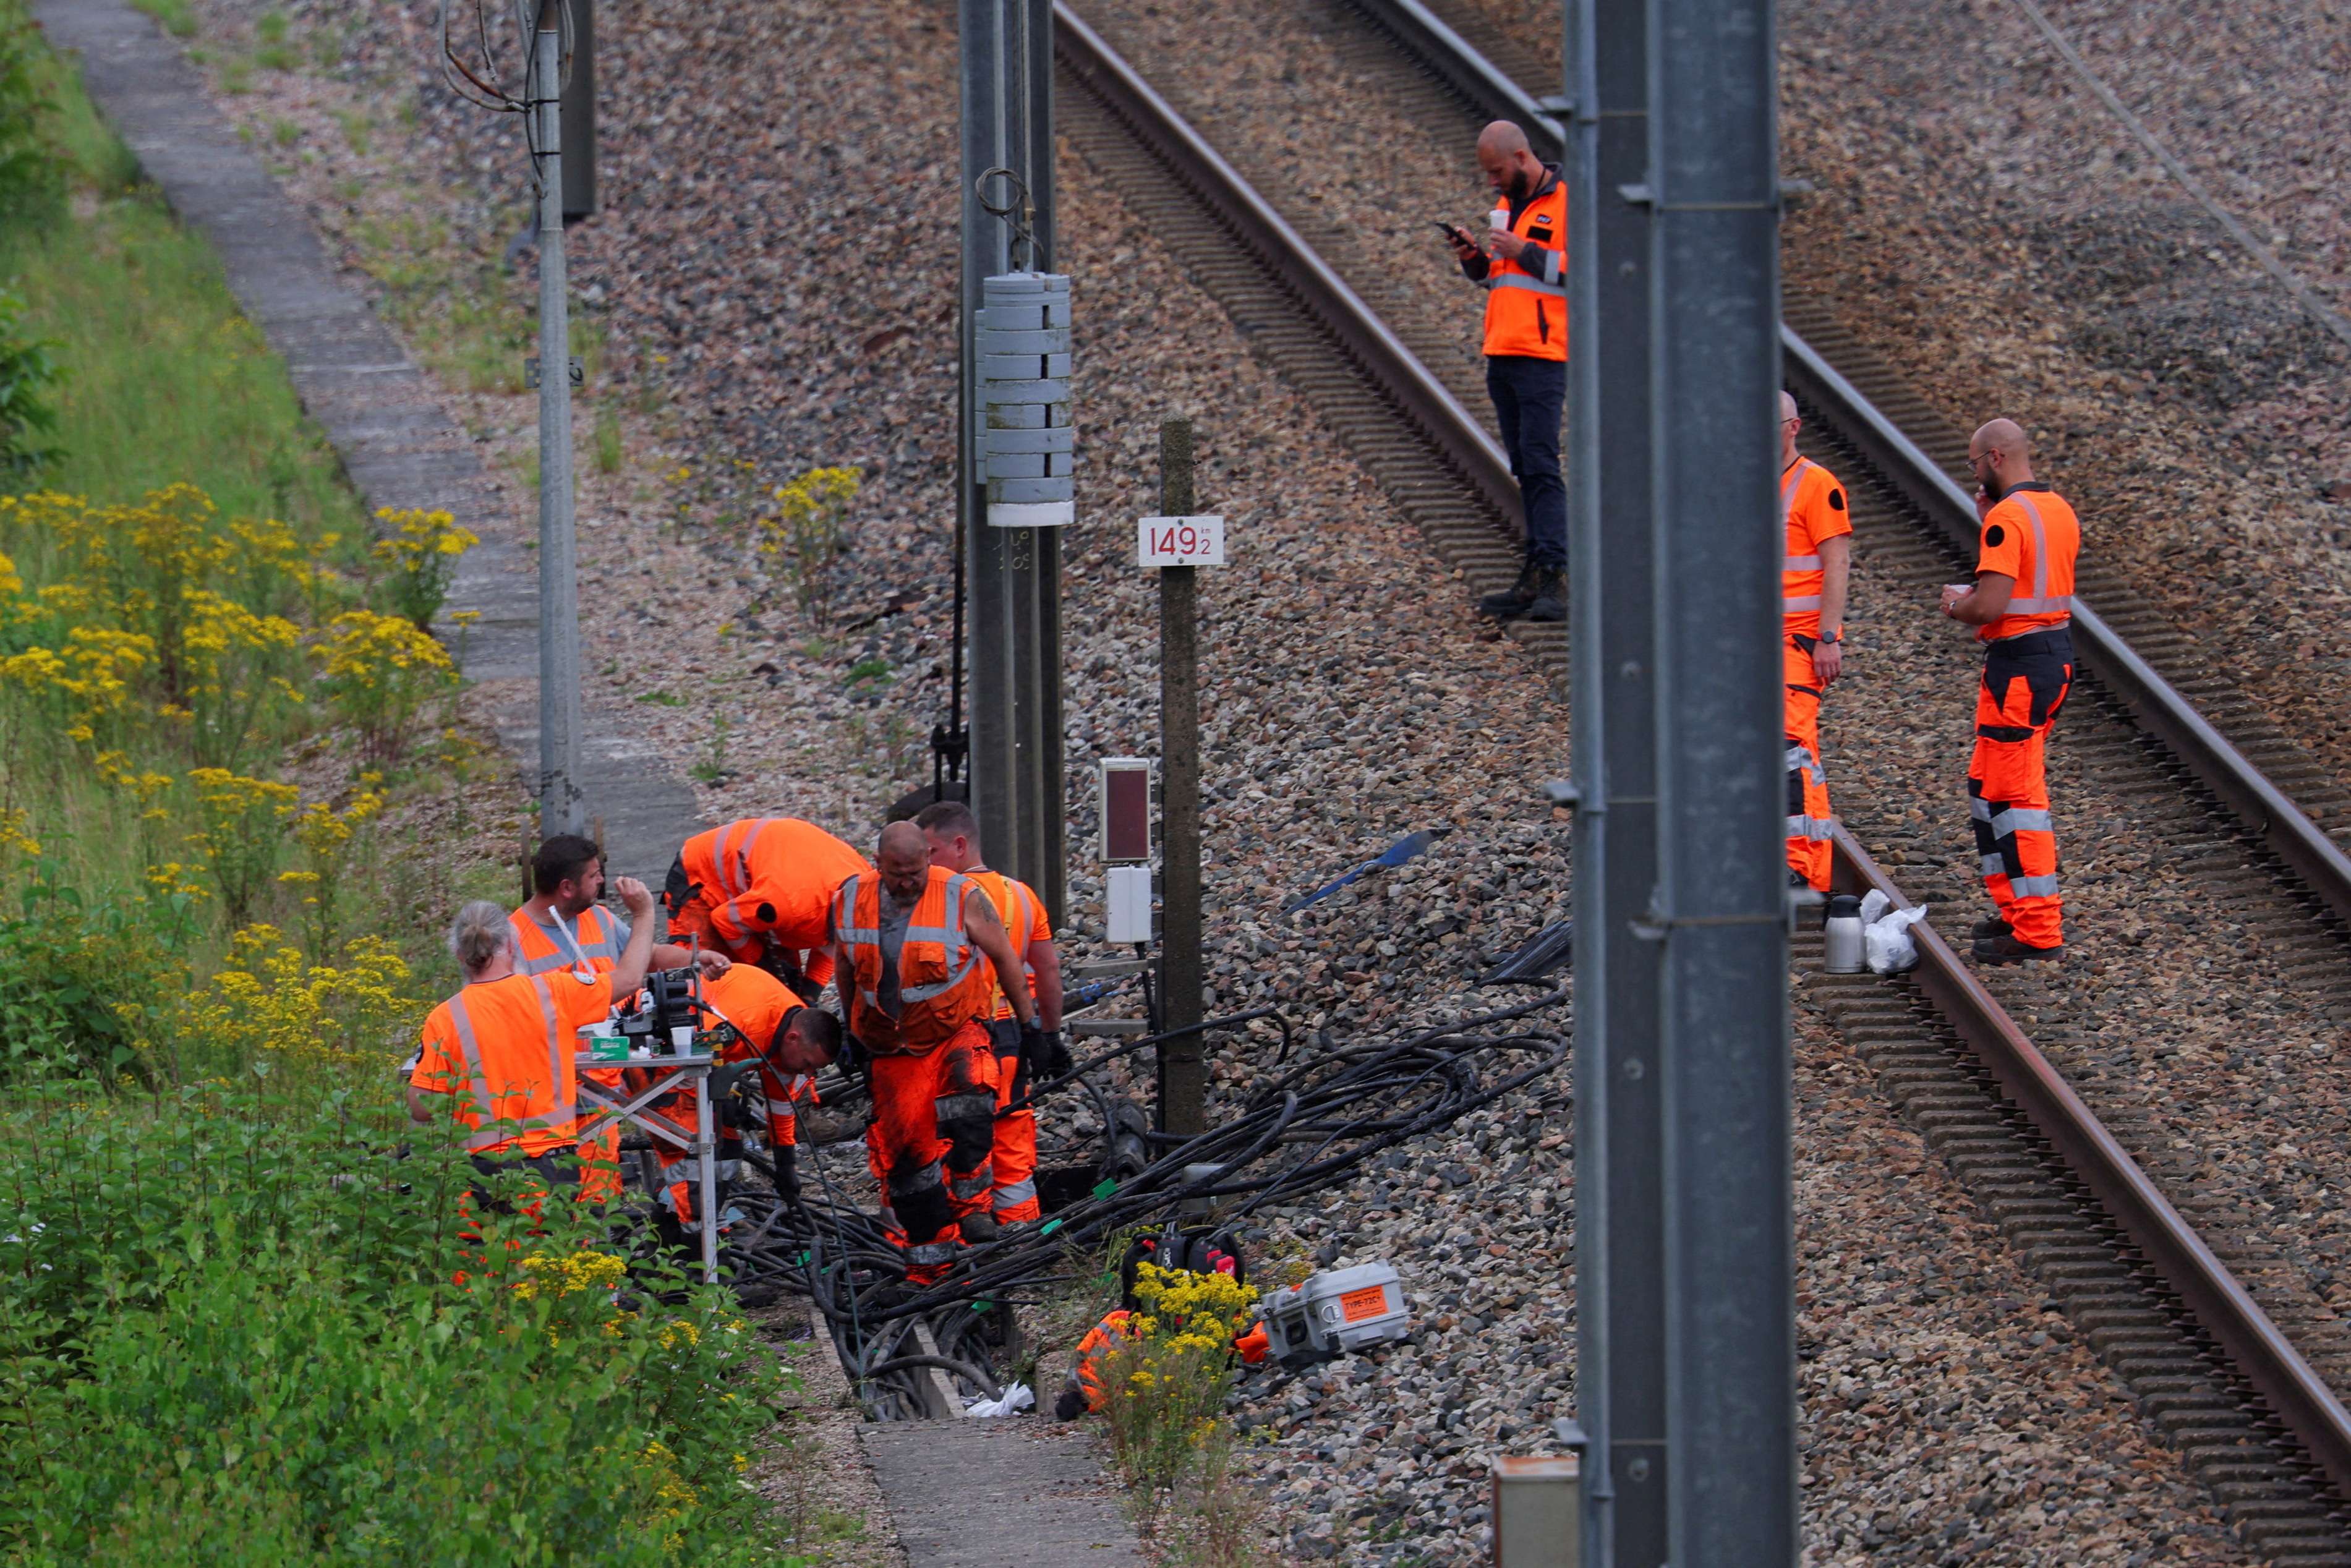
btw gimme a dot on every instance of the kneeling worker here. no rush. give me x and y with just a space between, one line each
2021 605
921 954
790 1041
503 1049
760 890
954 835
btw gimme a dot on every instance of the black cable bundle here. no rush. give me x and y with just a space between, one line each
1307 1130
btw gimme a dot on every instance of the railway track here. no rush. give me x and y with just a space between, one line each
2201 1309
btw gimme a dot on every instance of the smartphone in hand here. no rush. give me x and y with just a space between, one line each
1454 234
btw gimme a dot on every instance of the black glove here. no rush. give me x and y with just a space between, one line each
1042 1049
788 1173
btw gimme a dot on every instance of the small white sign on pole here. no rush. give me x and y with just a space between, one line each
1179 541
1128 895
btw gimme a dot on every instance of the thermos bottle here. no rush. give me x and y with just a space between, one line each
1841 935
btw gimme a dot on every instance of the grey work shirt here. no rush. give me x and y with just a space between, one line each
894 916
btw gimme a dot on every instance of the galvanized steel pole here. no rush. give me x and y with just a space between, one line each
1620 1260
562 808
1721 919
1015 573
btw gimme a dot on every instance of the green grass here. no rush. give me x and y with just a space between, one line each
610 450
165 379
457 306
176 16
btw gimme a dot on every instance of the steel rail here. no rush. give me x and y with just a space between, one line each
2219 1303
2154 703
1458 439
2257 1347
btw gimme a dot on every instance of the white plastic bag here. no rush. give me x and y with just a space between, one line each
1885 939
1015 1397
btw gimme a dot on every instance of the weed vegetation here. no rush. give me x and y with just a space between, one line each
247 1314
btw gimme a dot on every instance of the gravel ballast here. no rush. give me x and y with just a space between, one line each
753 268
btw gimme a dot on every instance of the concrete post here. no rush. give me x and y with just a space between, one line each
562 808
1721 919
1183 1081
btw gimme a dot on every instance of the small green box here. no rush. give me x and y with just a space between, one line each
606 1047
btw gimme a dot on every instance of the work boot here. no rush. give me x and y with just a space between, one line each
1551 595
978 1230
1512 601
2007 949
1985 930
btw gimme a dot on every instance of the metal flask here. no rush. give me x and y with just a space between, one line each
1841 935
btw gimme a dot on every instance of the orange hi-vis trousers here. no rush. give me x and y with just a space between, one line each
934 1127
2025 680
1808 787
1013 1155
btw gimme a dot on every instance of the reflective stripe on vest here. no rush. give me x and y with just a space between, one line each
2041 603
1527 281
1792 604
565 1111
734 882
950 937
584 957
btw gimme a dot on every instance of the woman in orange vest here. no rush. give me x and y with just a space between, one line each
910 939
1525 276
503 1050
2021 605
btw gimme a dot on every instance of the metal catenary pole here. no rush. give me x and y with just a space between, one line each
562 807
1016 760
1620 1264
1721 918
1183 1087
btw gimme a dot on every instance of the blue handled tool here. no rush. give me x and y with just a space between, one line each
1395 854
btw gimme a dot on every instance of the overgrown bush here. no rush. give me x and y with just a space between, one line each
28 371
418 552
802 538
245 1326
32 175
381 673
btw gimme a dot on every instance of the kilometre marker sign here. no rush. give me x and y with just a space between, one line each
1179 541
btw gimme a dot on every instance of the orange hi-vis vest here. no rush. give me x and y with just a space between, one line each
2031 537
1812 509
590 946
770 876
1526 308
516 1039
1023 914
943 982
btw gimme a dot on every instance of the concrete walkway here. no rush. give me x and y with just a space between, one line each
1016 1492
397 444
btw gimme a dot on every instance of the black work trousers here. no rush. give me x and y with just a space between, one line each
1529 394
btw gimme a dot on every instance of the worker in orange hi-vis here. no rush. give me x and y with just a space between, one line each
2021 605
559 926
760 890
921 952
954 835
500 1057
1812 580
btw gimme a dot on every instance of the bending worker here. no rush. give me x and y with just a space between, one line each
1523 265
560 926
954 836
911 939
502 1049
2021 605
760 890
1812 580
791 1042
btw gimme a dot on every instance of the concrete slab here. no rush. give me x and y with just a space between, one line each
1014 1492
398 445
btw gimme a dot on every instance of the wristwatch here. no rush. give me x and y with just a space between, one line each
1830 639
